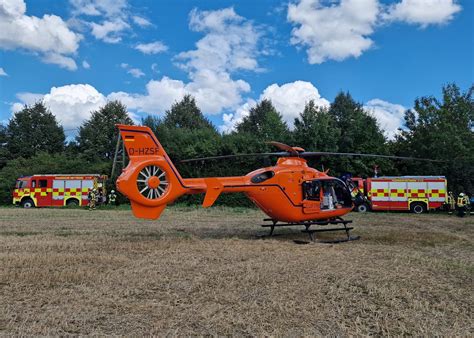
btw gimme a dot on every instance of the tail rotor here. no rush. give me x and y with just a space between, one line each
152 182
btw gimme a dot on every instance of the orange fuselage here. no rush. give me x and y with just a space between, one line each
278 193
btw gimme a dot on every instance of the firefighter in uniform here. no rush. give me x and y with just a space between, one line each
92 199
462 204
112 197
451 202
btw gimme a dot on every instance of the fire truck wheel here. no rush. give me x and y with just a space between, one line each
28 203
362 207
418 208
72 202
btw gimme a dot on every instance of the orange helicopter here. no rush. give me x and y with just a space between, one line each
290 193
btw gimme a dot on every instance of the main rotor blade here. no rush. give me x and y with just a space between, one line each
323 153
234 156
284 147
309 154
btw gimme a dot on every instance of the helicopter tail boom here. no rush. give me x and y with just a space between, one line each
151 181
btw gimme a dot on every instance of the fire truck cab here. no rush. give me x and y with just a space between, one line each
56 190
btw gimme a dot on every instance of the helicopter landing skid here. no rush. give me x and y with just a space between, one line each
312 232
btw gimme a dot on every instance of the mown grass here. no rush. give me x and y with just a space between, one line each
203 272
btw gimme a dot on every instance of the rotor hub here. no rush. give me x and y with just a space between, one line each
153 182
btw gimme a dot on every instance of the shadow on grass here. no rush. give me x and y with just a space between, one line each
20 233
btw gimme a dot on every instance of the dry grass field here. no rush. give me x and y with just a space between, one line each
201 272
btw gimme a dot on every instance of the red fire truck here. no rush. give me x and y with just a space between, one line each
56 190
415 193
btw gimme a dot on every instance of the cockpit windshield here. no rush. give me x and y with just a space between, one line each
331 193
20 184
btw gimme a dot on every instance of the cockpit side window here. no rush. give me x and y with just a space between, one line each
259 178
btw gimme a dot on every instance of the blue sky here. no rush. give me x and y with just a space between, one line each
77 54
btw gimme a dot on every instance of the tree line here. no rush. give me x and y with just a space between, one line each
33 142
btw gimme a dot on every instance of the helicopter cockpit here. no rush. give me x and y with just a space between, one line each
331 193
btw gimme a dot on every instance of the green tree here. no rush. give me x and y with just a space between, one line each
98 135
265 122
152 122
184 131
3 146
442 130
34 129
315 129
186 114
359 133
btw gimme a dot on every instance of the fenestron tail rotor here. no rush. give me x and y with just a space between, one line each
152 182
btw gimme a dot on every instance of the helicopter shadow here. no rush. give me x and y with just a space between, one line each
254 233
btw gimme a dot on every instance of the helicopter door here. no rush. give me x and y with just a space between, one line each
311 197
326 194
336 195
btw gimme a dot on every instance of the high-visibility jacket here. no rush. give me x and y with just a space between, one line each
451 201
92 195
463 201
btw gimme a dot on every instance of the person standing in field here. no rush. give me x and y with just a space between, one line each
451 202
462 204
112 197
92 198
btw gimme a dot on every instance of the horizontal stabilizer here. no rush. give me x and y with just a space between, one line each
214 189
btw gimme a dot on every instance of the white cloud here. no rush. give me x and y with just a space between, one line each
3 72
230 44
110 30
160 95
423 12
333 32
109 8
389 116
60 60
113 18
86 65
231 120
48 36
140 21
29 98
135 72
289 99
107 19
25 98
71 104
340 29
152 47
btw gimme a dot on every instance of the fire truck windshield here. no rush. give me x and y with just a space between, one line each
20 184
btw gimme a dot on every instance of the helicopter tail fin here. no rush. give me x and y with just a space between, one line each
150 180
